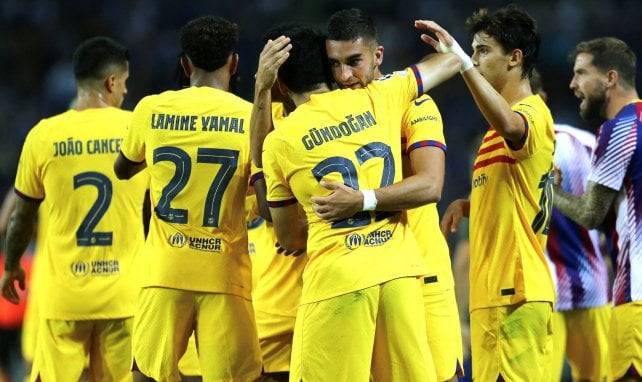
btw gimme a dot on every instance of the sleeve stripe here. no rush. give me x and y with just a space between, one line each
25 197
257 176
281 203
420 84
429 143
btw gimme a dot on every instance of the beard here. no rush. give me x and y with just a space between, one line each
595 107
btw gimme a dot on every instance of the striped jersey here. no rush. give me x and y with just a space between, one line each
577 264
510 206
617 164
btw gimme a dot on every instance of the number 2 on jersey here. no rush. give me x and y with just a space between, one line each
85 235
348 171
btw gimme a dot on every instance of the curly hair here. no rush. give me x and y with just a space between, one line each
351 24
512 28
609 53
94 57
209 41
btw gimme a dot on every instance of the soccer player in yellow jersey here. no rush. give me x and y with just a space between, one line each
360 298
355 58
95 231
511 289
197 273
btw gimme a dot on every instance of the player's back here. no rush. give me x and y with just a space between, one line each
353 137
95 227
195 142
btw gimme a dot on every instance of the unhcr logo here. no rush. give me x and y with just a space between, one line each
353 241
177 239
79 268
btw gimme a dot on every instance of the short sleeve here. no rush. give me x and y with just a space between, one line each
422 125
133 145
29 182
278 190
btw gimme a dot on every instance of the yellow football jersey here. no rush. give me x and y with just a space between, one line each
510 207
195 142
94 227
349 136
423 126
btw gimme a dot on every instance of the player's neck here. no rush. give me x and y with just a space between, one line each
90 99
617 99
301 98
515 91
215 79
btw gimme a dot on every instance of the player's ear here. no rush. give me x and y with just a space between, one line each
516 57
188 67
378 55
110 83
234 63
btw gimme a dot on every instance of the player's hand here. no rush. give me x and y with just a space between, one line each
557 176
274 54
456 211
342 203
445 43
288 252
7 283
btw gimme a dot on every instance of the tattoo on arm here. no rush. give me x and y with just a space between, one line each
20 231
588 210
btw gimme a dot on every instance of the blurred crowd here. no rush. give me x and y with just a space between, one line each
38 37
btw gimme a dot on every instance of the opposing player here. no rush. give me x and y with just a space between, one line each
582 311
511 290
604 80
95 228
197 274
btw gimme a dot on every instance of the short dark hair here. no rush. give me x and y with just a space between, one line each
609 53
351 24
94 57
209 41
307 66
513 28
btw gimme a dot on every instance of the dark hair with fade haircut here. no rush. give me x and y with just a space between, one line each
513 28
351 24
609 53
307 66
94 57
209 41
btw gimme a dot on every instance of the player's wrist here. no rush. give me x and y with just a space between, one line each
466 61
369 200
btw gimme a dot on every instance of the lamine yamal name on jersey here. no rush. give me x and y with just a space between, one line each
180 122
319 136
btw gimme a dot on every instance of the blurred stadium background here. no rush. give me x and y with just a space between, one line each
38 38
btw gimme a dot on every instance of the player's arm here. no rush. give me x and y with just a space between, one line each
588 210
19 235
126 169
274 54
8 205
436 69
290 228
493 106
422 187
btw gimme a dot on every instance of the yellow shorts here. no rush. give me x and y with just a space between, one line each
512 343
582 335
188 364
62 349
275 337
224 326
625 340
444 333
373 330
